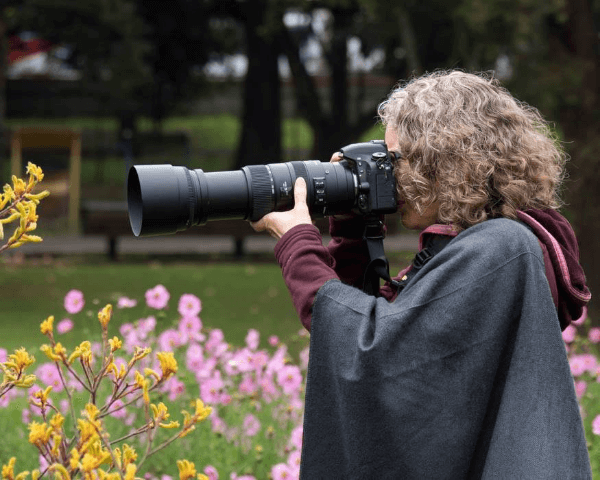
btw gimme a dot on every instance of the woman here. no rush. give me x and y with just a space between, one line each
461 372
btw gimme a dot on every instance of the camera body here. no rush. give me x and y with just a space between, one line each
371 165
163 199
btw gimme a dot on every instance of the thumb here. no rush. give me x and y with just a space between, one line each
300 192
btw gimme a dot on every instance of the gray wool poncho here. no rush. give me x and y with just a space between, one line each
465 375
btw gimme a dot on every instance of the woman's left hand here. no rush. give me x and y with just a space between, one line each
278 223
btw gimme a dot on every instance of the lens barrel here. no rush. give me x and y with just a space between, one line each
165 199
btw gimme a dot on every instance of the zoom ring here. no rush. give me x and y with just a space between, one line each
262 191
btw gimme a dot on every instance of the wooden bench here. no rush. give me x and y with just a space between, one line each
110 219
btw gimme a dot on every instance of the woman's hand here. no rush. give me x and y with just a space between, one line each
278 223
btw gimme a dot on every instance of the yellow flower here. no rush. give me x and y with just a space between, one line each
202 412
42 395
74 460
160 412
39 434
149 372
87 432
25 382
46 326
129 455
143 383
8 469
118 373
104 315
57 421
47 349
139 353
35 171
91 412
21 359
187 469
84 350
61 471
60 350
115 344
56 439
18 186
201 476
130 472
168 364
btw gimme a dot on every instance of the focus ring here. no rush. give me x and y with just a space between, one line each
262 191
300 170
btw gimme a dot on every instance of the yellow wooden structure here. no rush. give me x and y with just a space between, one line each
52 138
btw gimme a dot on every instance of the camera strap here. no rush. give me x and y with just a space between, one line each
378 266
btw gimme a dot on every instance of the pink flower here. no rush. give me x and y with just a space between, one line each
590 362
281 471
169 340
569 334
594 335
74 301
211 472
217 424
294 462
3 355
251 425
577 364
269 390
210 389
157 297
26 415
252 339
64 326
216 344
174 387
189 328
125 302
145 326
248 385
581 320
296 437
289 378
580 388
189 305
117 409
596 425
304 354
194 357
273 340
48 374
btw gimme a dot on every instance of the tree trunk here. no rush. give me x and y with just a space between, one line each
582 130
3 67
260 141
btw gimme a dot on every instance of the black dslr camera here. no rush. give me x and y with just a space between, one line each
164 199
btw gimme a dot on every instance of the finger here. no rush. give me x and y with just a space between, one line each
259 226
336 157
300 193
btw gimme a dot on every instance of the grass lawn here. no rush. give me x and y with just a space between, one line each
235 297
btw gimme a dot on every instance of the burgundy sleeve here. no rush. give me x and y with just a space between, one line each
306 265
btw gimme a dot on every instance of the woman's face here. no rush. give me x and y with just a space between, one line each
411 218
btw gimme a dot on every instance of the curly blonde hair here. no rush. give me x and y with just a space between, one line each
471 146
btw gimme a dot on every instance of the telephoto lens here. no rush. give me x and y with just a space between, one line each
165 199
